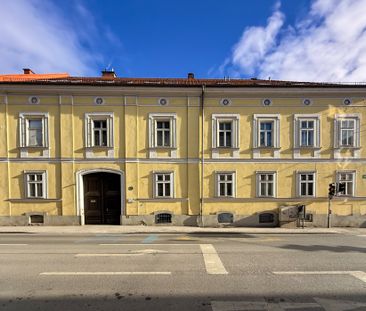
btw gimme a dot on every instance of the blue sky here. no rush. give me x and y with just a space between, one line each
290 40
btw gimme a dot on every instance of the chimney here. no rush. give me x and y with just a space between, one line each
28 71
109 73
190 75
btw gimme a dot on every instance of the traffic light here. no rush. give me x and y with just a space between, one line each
342 188
332 189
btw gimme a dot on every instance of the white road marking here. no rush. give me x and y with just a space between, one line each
357 274
106 273
125 244
362 235
13 244
212 260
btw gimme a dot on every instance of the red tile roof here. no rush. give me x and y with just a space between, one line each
65 79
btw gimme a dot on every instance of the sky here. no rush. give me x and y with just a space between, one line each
298 40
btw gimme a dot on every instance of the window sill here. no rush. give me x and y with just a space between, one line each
99 147
225 148
348 147
163 148
34 200
266 148
34 147
307 148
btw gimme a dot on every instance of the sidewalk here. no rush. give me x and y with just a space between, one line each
87 229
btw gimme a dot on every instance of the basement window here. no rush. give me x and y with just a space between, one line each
36 219
163 218
225 218
266 218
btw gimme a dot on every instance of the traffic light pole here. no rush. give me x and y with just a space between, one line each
329 212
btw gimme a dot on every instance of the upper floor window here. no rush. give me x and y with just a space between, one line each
35 184
163 184
225 131
225 134
266 130
306 184
346 183
225 184
347 131
307 130
99 129
33 129
266 134
163 133
266 182
162 130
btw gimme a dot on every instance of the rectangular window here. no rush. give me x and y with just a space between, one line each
163 137
225 184
100 133
99 129
163 183
266 134
266 131
225 134
347 133
307 133
33 129
345 181
162 130
306 184
35 184
265 184
225 131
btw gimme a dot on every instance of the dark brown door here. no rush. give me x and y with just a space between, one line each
102 198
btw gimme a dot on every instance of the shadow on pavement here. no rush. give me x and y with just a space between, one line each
318 248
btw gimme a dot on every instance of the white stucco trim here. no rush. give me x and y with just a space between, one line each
80 189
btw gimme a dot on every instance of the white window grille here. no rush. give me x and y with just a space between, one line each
307 131
225 131
35 184
225 184
99 130
266 130
347 131
33 129
306 184
162 130
348 179
266 184
163 184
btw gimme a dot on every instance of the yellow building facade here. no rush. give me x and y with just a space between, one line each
194 152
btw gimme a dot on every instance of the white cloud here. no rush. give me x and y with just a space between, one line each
329 44
36 34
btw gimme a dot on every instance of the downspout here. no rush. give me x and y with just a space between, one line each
202 152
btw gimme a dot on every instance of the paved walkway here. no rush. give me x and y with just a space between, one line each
169 229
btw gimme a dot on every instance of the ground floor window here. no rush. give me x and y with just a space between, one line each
163 184
35 184
225 184
306 184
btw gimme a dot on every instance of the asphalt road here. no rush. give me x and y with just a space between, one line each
196 271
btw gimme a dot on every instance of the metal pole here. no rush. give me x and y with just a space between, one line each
329 212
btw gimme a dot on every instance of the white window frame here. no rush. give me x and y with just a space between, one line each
24 119
275 119
235 132
89 128
217 184
299 182
338 180
153 119
155 184
27 184
298 118
356 118
258 183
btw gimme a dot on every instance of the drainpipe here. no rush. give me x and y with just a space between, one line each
202 152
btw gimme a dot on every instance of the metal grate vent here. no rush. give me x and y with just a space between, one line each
163 218
225 218
266 218
36 219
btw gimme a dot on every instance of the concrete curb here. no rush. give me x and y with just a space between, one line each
170 229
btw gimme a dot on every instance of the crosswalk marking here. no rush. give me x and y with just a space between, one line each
357 274
212 260
105 273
